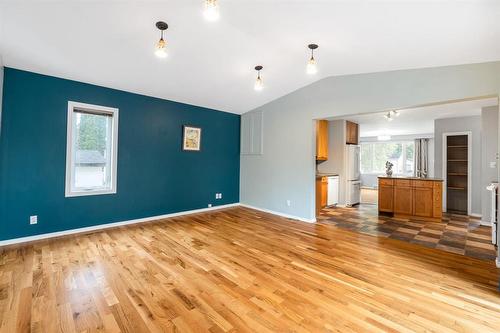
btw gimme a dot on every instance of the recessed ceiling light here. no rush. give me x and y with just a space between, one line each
259 84
312 68
161 45
211 12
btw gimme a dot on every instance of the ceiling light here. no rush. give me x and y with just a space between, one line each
395 113
311 64
388 116
259 85
211 12
161 46
383 137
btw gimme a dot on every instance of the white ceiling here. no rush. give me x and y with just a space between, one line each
417 120
110 43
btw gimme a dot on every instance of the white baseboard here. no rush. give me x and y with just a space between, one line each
486 223
476 215
278 213
498 262
109 225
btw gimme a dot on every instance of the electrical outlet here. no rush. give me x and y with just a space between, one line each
209 205
288 203
34 219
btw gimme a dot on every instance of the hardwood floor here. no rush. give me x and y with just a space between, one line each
459 234
239 270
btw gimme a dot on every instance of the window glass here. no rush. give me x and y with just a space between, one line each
374 155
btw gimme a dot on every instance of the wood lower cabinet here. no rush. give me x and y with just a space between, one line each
403 200
410 197
321 140
423 203
385 198
321 193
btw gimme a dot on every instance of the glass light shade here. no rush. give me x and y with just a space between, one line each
161 49
211 12
259 84
311 66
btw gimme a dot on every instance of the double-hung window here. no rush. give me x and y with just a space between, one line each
92 150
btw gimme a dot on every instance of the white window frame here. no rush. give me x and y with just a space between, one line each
70 192
403 152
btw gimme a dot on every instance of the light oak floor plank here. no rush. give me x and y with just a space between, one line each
240 270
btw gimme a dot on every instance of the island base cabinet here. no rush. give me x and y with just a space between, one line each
411 198
386 198
423 203
403 200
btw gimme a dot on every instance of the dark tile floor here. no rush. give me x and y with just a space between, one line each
456 233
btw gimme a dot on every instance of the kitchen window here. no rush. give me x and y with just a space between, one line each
374 155
91 155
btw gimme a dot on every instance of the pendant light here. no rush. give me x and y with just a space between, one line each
259 84
211 12
161 46
389 116
311 64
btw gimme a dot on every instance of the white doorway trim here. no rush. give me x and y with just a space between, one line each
469 168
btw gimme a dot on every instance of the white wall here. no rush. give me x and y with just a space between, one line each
286 169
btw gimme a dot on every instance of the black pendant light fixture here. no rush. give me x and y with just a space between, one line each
311 64
161 45
259 84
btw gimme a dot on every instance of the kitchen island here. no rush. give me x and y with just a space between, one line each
411 197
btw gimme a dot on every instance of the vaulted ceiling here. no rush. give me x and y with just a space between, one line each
111 43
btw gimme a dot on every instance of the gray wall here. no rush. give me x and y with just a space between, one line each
336 155
1 93
286 169
489 151
461 124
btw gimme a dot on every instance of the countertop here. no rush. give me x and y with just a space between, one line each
319 175
412 178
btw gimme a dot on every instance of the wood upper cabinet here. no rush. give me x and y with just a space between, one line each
321 140
352 133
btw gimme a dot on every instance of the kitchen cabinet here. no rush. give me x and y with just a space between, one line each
403 199
352 133
411 197
386 196
321 140
321 193
423 203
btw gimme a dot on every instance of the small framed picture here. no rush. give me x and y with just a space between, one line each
191 138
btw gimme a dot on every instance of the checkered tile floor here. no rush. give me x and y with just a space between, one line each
458 234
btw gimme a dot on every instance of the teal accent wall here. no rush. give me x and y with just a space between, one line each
155 176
